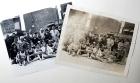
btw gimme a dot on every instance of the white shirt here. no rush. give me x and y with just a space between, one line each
110 42
54 34
49 50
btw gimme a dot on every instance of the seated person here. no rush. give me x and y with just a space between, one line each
108 56
38 52
94 52
30 56
99 55
20 58
82 49
89 50
49 49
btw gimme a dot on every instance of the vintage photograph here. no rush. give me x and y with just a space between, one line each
93 40
36 43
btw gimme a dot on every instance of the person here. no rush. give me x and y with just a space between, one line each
21 56
8 45
82 49
55 45
103 42
30 54
99 55
54 33
48 36
49 49
14 51
126 46
94 52
110 42
27 38
38 52
43 48
35 39
41 33
108 56
115 46
89 50
120 50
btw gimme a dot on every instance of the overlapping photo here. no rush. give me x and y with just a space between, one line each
33 46
96 41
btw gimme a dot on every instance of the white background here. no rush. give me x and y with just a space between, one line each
128 9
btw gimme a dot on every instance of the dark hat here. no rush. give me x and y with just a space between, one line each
51 24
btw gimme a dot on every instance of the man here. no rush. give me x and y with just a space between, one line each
28 38
49 48
14 51
110 42
35 39
47 36
42 33
54 33
120 50
8 45
20 58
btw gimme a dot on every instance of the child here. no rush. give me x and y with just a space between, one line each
89 50
49 49
21 56
94 52
30 54
38 52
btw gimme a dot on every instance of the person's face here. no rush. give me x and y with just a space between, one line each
35 35
13 34
53 28
42 31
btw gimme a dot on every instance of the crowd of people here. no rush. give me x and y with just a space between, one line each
28 47
108 48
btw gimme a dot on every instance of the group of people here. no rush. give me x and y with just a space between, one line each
28 47
109 48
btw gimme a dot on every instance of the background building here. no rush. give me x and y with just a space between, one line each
34 21
11 25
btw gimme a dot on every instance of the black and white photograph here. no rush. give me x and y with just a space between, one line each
33 46
93 40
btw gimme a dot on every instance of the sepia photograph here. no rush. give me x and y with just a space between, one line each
95 41
36 43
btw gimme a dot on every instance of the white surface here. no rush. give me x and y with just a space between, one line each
128 9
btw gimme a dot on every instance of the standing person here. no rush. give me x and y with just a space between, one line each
103 42
28 38
41 32
120 50
47 36
126 51
14 51
8 45
35 39
110 42
115 46
54 33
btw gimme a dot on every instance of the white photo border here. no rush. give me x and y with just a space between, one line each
60 60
